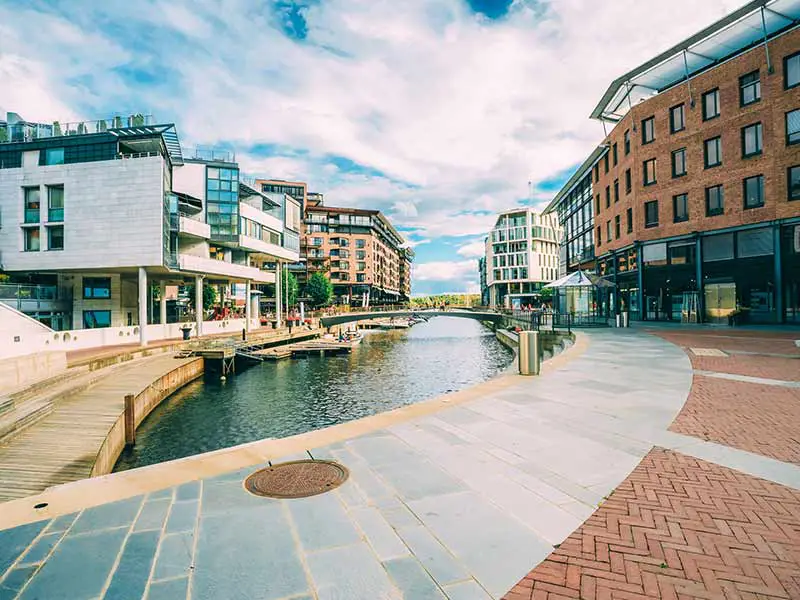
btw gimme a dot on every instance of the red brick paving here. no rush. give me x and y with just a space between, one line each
679 528
771 342
769 367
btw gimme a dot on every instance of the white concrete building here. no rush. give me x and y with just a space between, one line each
521 256
97 218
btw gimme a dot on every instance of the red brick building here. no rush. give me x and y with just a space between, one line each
696 199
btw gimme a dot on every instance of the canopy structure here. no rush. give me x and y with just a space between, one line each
583 295
579 279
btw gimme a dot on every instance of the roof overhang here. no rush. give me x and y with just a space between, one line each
167 132
746 28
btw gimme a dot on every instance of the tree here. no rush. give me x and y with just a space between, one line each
209 296
320 288
289 289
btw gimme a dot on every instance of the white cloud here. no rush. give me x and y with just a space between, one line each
445 270
474 249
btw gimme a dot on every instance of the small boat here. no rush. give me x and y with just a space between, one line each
352 337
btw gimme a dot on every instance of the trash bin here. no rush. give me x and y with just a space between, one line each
186 331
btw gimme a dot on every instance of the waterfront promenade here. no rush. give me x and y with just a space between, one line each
460 497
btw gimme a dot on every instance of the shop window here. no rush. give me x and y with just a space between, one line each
712 150
715 201
654 254
648 130
793 127
711 105
754 191
651 213
749 88
682 253
754 242
680 208
718 247
752 140
793 182
676 119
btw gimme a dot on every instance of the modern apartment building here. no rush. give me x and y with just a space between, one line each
697 199
362 253
97 216
521 256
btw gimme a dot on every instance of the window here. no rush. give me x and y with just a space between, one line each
793 182
96 287
649 170
54 156
628 182
361 266
32 204
596 173
627 142
96 319
710 105
651 213
361 277
614 152
361 254
360 243
599 237
749 88
608 231
791 70
55 237
712 152
608 196
676 119
752 140
616 226
605 163
317 241
754 191
629 220
32 242
793 127
55 203
597 204
344 242
679 163
680 208
648 130
616 190
715 201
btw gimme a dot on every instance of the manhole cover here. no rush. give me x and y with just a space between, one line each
296 479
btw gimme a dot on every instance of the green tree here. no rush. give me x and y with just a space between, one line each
209 296
320 288
290 289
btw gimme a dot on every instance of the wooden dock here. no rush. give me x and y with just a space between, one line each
317 347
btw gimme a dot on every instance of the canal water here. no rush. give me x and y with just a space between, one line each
278 399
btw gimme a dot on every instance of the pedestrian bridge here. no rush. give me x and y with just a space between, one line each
492 317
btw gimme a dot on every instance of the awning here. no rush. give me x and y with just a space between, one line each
579 279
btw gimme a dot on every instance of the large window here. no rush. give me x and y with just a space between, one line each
223 203
608 196
712 151
791 70
627 143
648 130
96 287
617 226
605 163
55 203
793 182
599 236
649 170
749 88
31 239
710 105
677 121
629 220
616 190
680 208
32 204
96 319
754 191
679 163
54 156
793 127
715 201
752 140
608 231
628 182
55 237
614 153
651 213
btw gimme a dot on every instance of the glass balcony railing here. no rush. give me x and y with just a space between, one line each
31 215
55 215
28 132
13 291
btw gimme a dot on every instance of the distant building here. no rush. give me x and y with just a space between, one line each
482 274
521 256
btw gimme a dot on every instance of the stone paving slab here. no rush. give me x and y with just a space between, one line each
457 504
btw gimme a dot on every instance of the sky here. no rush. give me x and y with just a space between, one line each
439 113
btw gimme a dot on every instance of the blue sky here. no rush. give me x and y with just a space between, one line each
437 112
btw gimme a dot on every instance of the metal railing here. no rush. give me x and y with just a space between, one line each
544 320
28 132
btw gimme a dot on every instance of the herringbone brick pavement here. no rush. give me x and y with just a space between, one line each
679 528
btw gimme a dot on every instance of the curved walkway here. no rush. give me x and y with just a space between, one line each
455 498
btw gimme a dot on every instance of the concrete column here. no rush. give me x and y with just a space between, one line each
198 304
247 308
162 306
278 293
143 306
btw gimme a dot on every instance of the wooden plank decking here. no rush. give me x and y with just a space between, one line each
63 446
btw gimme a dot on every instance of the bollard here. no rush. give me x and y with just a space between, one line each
130 423
529 353
625 317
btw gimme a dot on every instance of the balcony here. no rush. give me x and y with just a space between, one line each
192 227
31 298
210 266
